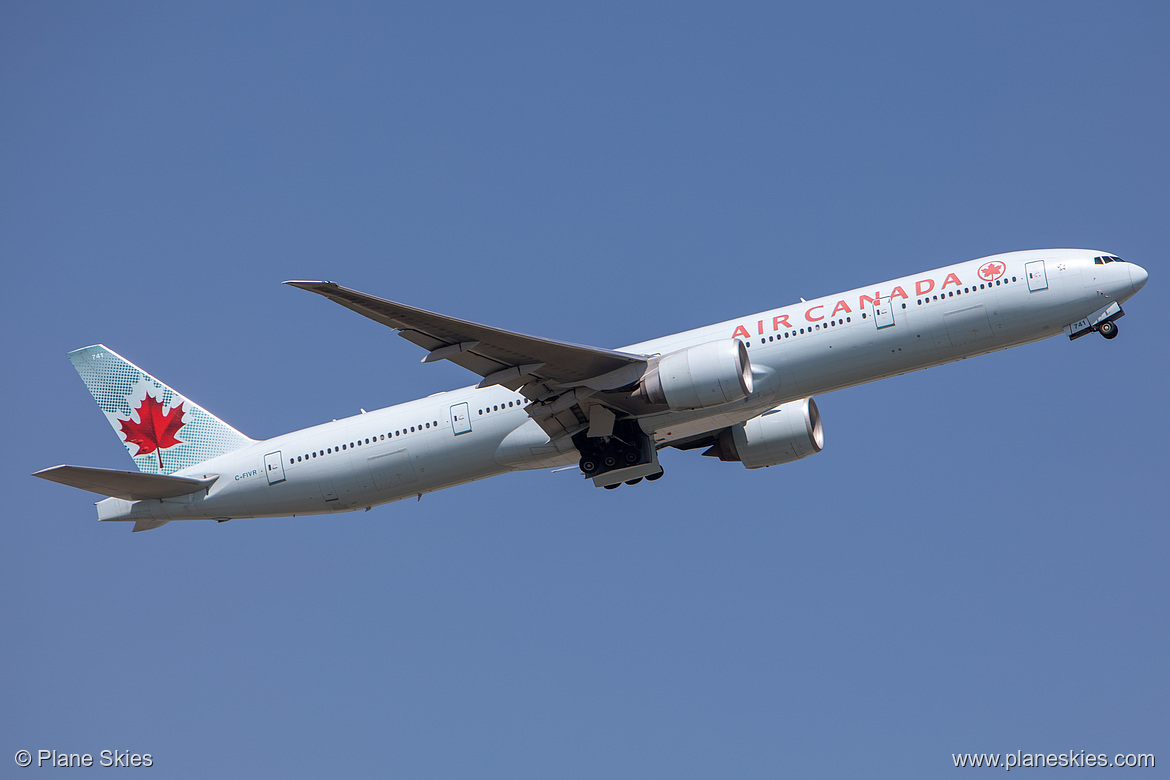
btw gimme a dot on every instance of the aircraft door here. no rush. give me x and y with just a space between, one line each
460 419
392 470
882 313
274 467
1037 278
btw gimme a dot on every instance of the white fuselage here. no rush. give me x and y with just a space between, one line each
796 351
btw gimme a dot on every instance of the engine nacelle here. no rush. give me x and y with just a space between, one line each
699 377
789 432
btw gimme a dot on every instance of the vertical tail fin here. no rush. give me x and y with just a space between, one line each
163 431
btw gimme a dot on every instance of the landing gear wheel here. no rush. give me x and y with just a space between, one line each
652 477
628 451
633 481
1108 329
611 487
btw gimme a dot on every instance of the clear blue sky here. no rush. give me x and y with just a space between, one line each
977 562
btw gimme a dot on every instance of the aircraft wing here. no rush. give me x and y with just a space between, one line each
130 485
501 357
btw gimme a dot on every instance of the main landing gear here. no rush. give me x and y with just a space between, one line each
635 481
626 456
1108 329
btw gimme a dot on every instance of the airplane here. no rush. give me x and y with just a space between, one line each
742 390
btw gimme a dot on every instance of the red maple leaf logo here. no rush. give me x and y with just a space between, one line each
154 431
989 272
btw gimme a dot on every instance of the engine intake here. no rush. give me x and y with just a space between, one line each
699 377
789 432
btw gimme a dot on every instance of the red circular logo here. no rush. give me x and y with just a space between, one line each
989 272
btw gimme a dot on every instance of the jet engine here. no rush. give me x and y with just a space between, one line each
789 432
699 377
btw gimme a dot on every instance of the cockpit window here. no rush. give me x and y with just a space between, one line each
1107 259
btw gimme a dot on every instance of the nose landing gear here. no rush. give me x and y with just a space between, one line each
1108 329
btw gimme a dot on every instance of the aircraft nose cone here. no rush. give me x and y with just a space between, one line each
1137 276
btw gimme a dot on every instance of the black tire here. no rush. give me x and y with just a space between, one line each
613 487
588 465
633 481
652 477
631 458
610 461
1108 329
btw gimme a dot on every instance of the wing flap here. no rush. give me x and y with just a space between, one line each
129 485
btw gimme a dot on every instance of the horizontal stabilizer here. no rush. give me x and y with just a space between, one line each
129 485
